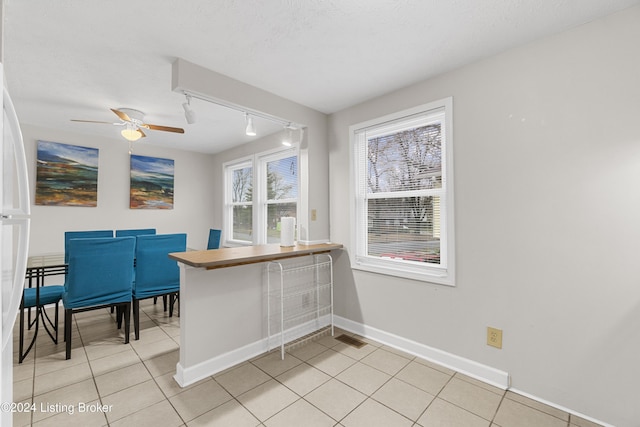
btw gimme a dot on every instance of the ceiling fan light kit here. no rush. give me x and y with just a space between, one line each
131 134
134 122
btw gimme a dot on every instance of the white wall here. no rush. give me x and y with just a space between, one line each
547 181
193 200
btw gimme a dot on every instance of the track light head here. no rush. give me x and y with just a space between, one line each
250 130
189 114
287 139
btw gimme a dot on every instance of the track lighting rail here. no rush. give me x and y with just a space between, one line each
285 123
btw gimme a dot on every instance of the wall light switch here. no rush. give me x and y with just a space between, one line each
313 214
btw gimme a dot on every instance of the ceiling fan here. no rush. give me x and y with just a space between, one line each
134 122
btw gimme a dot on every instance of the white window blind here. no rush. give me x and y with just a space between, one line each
402 194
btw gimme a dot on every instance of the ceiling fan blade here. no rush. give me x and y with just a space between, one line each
141 133
163 128
123 116
95 121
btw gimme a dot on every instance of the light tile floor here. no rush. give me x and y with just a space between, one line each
323 383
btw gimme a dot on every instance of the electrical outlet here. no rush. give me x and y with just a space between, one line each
494 337
314 215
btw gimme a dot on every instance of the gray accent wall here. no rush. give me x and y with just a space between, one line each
547 197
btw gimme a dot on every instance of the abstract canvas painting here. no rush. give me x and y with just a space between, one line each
151 183
66 175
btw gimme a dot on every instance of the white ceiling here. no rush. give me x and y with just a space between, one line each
75 59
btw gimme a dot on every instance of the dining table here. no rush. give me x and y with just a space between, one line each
38 268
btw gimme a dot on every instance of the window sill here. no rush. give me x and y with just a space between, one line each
437 276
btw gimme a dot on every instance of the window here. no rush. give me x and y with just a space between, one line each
281 195
403 194
260 190
240 201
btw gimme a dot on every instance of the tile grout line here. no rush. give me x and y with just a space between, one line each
235 398
151 375
93 377
434 398
369 396
275 379
157 384
493 420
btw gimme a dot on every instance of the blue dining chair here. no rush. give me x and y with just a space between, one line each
214 239
91 234
100 274
135 232
156 273
38 298
140 232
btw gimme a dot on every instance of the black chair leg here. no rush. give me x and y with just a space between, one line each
119 314
57 324
164 302
136 318
173 298
21 357
127 321
23 353
68 314
50 327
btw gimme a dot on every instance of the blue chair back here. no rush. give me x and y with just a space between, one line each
68 235
214 239
135 232
156 273
100 272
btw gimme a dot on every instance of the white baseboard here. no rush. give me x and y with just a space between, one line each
207 368
192 374
300 331
561 408
468 367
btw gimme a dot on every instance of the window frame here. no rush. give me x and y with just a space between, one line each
263 201
444 273
228 169
259 203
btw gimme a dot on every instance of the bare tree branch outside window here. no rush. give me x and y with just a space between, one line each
401 225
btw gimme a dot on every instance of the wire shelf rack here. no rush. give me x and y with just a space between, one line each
300 300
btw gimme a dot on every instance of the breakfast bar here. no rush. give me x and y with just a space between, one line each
224 301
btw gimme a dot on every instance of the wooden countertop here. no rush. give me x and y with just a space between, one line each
229 257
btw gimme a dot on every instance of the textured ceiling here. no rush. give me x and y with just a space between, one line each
75 59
